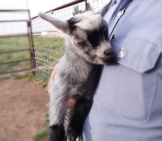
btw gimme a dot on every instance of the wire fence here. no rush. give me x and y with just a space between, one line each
48 41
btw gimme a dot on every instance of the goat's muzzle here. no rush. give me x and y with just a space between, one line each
109 56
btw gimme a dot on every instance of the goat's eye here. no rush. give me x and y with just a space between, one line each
82 44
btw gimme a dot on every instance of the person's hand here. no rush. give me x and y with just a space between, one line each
51 78
71 101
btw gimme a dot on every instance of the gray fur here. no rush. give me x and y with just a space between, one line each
79 62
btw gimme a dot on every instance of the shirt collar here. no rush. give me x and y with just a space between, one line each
115 2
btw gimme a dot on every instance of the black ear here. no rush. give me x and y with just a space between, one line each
72 24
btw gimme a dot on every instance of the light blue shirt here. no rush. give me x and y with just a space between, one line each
127 104
108 15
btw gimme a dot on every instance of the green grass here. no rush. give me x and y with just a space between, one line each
18 77
41 135
5 77
10 44
13 43
55 43
28 75
16 43
37 79
46 123
30 111
42 75
44 85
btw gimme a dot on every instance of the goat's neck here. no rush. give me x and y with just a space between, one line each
75 55
75 59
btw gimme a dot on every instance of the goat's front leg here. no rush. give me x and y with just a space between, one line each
57 109
78 116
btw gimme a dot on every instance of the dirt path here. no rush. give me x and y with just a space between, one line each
23 106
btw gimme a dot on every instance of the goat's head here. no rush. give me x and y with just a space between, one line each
87 35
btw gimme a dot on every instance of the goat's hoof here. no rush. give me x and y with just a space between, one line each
71 138
57 133
72 135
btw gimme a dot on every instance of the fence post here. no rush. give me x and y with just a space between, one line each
15 61
32 51
86 8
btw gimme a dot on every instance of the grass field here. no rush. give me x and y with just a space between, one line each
16 43
13 43
55 44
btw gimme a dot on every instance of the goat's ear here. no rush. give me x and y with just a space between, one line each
59 24
102 10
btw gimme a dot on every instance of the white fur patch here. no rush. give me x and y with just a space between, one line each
89 20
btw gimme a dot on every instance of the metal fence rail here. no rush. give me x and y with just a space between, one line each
48 41
15 41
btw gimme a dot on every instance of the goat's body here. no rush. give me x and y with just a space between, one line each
75 76
86 48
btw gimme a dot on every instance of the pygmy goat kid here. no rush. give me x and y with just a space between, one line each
86 48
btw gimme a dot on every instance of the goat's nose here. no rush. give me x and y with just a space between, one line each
109 52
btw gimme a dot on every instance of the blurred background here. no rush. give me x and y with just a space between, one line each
29 50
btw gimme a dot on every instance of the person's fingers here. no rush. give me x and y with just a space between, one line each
71 103
54 71
52 78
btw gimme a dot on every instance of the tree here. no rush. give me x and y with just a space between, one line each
89 7
77 11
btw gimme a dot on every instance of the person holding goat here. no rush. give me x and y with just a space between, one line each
127 102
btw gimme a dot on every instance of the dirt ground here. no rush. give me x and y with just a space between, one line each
23 109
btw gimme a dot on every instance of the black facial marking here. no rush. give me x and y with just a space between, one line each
71 22
82 44
98 35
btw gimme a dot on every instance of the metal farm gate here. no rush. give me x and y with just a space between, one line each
48 41
21 49
15 41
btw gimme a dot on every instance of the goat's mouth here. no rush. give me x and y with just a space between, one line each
108 60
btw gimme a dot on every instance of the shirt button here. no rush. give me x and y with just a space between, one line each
120 54
120 13
113 37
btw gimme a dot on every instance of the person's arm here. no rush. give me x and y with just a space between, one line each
71 101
